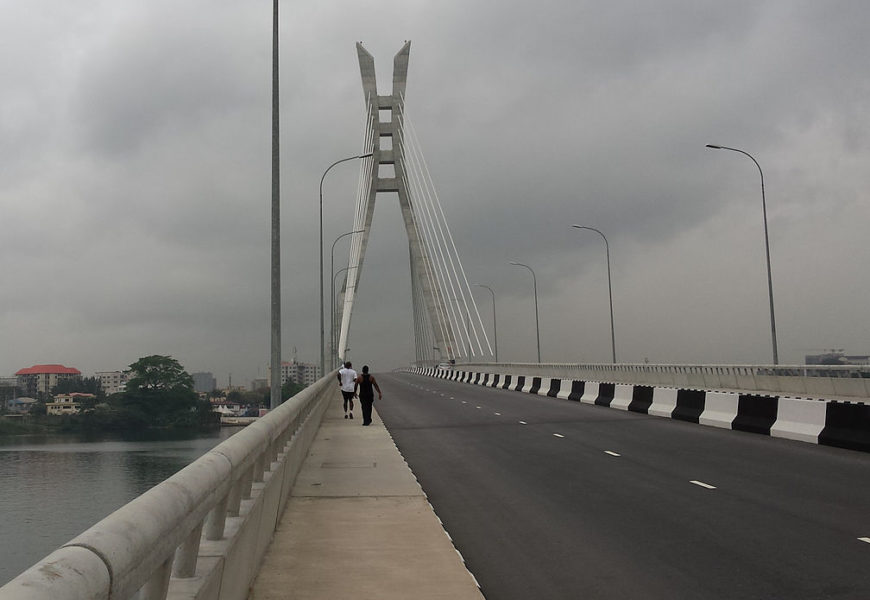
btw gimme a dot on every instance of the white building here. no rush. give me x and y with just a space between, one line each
112 382
66 404
299 373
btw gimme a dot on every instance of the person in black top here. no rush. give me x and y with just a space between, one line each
366 394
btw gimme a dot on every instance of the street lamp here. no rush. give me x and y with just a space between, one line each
609 288
332 271
494 330
537 325
332 329
275 265
322 351
766 246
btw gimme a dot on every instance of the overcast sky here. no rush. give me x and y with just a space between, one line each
135 176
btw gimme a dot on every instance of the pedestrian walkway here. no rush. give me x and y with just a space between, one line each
359 526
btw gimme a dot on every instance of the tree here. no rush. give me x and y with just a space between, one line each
290 389
159 373
161 392
86 385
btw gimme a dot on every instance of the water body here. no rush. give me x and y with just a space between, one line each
53 487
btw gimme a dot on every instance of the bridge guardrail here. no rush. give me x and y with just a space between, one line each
204 529
813 381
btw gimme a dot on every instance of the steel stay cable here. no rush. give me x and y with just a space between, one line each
465 291
434 242
427 256
450 235
436 251
467 287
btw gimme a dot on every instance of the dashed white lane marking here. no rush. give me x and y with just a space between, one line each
611 453
476 407
867 539
558 435
497 414
464 402
523 423
452 398
703 485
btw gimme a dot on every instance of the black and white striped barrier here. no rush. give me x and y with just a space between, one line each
827 422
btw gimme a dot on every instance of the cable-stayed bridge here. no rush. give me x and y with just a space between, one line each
554 480
447 323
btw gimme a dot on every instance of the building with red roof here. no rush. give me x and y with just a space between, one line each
42 378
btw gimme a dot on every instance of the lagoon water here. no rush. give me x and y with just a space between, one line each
54 487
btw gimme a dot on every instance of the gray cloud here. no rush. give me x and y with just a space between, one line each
134 175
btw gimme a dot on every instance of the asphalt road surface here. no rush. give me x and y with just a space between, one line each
548 498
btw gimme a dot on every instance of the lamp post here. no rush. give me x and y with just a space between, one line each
332 291
537 325
322 349
494 329
332 329
766 247
275 318
609 288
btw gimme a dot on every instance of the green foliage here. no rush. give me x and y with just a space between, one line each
87 385
160 393
290 389
158 373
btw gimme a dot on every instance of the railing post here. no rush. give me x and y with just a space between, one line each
216 520
158 584
247 482
186 554
258 466
235 498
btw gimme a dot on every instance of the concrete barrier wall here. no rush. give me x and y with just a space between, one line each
832 422
199 534
803 381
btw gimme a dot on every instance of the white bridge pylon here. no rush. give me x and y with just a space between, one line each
447 322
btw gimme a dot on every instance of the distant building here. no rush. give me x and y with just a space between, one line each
299 373
67 404
204 382
40 379
8 388
836 357
259 383
113 382
20 405
225 407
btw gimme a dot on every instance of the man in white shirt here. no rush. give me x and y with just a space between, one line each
347 382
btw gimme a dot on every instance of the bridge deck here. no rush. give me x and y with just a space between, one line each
358 525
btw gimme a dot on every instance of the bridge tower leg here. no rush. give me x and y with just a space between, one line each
422 279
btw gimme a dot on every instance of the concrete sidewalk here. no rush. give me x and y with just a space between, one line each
358 525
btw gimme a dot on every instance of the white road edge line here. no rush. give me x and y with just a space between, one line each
559 435
865 539
611 453
703 485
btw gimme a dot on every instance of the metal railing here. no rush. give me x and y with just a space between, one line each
202 532
812 381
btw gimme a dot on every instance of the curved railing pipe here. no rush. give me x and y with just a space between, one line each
230 497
